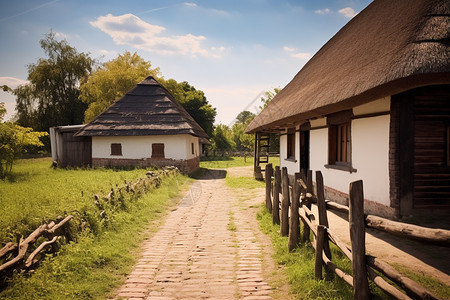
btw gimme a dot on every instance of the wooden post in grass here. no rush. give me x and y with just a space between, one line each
323 219
285 202
321 232
276 196
307 203
358 240
294 232
269 173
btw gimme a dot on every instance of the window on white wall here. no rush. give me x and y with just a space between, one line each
290 150
158 150
340 141
116 149
192 148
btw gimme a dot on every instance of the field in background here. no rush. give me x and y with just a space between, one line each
233 161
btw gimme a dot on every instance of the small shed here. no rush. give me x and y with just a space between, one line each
146 127
374 104
69 150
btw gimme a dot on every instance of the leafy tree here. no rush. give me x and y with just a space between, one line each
243 141
222 140
13 142
52 97
244 116
113 80
268 96
194 102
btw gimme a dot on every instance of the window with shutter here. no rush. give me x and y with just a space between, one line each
116 149
290 154
158 150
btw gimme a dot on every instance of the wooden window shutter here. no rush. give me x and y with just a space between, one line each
158 150
116 149
291 143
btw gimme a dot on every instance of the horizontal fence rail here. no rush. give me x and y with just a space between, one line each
296 202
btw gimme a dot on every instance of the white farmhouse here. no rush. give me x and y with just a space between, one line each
146 127
374 104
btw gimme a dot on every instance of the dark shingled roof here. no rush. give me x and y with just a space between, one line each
147 109
388 48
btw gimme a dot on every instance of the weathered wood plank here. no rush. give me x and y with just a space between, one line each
276 196
269 173
358 241
285 203
294 232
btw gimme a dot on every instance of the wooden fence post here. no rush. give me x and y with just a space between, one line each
307 203
294 232
323 219
269 173
285 202
357 238
276 196
321 231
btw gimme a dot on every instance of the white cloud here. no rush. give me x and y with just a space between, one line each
130 30
347 12
288 49
8 98
191 4
61 35
12 82
301 55
293 53
322 11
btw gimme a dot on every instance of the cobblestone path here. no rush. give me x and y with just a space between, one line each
206 249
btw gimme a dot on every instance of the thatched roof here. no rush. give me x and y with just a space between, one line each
388 48
147 109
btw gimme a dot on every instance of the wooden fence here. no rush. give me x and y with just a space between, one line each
27 253
296 202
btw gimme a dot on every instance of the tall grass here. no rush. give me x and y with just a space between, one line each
36 192
93 266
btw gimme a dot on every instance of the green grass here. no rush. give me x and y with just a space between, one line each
229 162
299 266
441 290
244 182
38 192
98 262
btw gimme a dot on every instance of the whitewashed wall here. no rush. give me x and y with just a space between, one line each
370 157
139 147
370 153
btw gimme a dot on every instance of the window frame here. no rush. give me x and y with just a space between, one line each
340 141
116 149
158 150
290 144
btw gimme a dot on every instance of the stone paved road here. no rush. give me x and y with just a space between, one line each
206 249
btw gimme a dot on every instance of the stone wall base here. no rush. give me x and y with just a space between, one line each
370 207
185 166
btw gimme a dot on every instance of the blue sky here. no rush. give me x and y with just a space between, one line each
233 50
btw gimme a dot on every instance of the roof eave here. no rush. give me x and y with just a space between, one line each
388 89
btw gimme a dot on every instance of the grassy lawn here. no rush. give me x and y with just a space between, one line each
229 162
98 262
